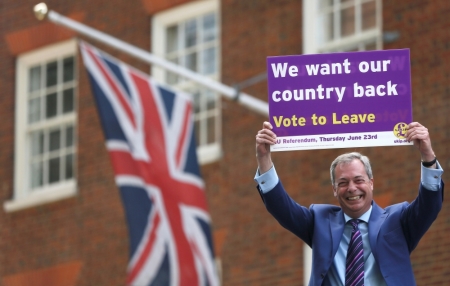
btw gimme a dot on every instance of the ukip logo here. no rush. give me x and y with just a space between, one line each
400 130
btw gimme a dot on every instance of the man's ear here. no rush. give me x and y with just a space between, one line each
334 191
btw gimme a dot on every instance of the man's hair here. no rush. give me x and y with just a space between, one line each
347 158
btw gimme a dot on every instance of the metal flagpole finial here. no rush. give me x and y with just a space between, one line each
40 10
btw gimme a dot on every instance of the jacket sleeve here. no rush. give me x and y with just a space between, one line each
292 216
418 216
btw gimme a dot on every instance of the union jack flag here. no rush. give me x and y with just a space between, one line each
150 139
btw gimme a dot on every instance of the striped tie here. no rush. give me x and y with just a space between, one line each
354 270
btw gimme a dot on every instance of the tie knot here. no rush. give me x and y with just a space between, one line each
354 223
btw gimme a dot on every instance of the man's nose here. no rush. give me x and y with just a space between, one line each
351 186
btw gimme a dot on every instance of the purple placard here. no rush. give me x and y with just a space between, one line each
339 100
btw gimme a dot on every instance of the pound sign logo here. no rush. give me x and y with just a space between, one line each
400 130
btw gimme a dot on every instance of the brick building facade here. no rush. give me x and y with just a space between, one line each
82 239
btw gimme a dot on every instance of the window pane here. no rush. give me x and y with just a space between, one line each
326 4
68 100
172 78
197 133
69 167
55 140
190 31
348 21
196 101
211 100
368 15
211 130
36 174
69 136
50 105
209 27
37 143
34 110
351 49
52 73
68 69
370 46
191 61
209 61
50 150
53 170
35 78
172 39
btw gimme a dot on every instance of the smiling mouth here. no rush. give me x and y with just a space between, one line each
354 198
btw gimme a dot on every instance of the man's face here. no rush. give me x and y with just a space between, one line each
353 188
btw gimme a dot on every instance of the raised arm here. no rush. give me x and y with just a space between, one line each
421 213
418 134
264 139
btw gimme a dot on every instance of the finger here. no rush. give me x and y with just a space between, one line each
418 132
414 124
412 127
267 132
267 125
263 138
416 128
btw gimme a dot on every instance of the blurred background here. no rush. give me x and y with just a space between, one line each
62 221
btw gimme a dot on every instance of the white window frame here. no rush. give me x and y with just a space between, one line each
23 197
312 25
205 153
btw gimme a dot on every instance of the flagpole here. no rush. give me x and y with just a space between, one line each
247 100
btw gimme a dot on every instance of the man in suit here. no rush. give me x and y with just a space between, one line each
388 235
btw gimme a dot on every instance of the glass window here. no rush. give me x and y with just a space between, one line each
45 141
342 25
52 151
48 149
191 39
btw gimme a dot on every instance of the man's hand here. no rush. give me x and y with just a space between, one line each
418 134
264 139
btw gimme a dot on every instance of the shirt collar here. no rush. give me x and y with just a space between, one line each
365 216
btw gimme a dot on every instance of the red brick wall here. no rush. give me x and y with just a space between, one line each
89 230
155 6
254 250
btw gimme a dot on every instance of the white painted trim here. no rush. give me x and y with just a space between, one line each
209 153
309 26
379 20
48 195
23 197
349 41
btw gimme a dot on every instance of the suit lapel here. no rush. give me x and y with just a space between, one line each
377 217
337 223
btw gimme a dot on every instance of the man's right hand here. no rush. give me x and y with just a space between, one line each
264 139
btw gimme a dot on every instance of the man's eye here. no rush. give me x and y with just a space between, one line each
342 184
